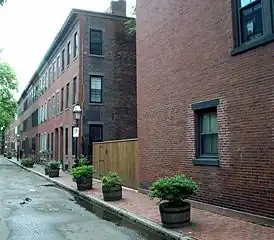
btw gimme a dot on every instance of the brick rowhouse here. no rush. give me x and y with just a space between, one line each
193 58
91 61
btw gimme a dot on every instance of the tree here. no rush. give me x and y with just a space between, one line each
8 104
131 24
2 2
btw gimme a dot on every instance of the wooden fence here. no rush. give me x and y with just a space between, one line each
120 156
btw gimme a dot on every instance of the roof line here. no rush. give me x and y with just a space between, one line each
71 17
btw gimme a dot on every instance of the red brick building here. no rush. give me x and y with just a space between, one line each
10 141
205 98
92 61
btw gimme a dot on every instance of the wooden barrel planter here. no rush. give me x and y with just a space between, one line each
112 193
53 172
175 216
46 171
84 184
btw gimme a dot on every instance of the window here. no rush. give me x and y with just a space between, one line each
206 128
66 141
50 75
39 115
73 146
63 60
48 142
75 45
68 53
253 23
96 42
52 135
46 80
62 99
58 66
46 111
57 103
74 90
34 118
43 84
95 133
96 89
67 95
53 107
53 71
49 109
42 113
45 143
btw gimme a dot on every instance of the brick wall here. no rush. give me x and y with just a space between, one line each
117 66
183 58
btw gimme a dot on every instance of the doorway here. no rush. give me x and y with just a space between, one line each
62 145
95 135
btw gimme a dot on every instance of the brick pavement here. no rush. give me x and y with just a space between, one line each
205 225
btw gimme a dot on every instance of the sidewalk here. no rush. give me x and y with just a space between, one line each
205 225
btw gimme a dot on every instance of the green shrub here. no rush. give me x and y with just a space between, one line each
83 160
82 172
53 165
27 162
111 180
173 189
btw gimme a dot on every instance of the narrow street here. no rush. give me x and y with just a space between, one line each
31 208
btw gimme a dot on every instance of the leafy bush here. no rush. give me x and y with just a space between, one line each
27 162
82 172
83 160
111 180
173 189
53 165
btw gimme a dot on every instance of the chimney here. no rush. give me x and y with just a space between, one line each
119 8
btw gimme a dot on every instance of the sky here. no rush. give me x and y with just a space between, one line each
28 27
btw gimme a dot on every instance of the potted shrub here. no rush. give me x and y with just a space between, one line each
27 162
53 169
83 160
46 169
9 155
83 177
112 187
172 191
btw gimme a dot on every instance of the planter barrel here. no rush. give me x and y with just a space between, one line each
112 193
46 171
53 172
84 184
28 165
175 216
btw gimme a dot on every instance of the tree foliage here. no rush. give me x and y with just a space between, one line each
131 24
8 104
2 2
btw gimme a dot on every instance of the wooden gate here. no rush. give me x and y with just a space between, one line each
120 156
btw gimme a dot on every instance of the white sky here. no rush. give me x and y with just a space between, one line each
28 27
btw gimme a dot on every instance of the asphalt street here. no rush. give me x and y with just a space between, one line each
31 208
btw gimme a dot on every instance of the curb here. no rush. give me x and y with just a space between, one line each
149 225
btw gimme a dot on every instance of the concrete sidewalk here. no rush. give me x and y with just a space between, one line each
138 207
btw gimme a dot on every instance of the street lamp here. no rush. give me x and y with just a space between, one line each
18 146
77 111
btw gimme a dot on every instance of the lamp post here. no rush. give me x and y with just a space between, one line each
77 111
18 146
